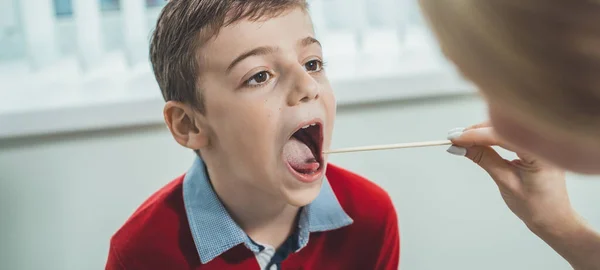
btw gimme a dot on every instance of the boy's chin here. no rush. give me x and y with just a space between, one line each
305 196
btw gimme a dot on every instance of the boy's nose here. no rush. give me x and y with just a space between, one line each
304 88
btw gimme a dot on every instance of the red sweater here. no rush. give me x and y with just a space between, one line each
157 236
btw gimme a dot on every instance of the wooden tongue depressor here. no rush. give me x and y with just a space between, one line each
388 146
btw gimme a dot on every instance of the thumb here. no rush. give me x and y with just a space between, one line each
483 136
488 159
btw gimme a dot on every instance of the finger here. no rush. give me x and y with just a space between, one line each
500 169
480 125
484 136
459 130
489 160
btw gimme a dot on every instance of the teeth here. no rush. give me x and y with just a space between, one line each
307 126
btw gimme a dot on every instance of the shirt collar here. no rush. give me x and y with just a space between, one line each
214 231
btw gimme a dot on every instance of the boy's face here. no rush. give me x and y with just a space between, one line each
261 83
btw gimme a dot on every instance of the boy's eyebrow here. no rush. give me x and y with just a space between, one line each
269 50
254 52
309 41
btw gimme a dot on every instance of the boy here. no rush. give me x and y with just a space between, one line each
245 88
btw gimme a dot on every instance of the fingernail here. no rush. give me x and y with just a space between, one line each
456 130
458 151
454 135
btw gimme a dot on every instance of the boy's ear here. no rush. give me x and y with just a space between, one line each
184 125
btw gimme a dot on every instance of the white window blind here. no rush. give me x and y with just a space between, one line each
64 54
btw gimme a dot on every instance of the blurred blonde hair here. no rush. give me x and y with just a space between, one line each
539 56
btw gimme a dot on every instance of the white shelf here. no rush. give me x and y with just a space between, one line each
93 109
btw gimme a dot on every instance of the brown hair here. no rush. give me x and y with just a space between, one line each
541 56
185 25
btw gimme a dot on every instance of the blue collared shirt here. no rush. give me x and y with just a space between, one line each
214 231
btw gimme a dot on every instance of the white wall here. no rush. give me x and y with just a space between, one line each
62 197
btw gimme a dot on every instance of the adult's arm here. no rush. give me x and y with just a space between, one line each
574 240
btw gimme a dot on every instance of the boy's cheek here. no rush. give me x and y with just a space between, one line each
330 105
331 112
335 104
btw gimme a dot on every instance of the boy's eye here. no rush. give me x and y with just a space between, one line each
313 66
258 78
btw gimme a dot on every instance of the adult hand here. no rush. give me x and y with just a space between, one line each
535 191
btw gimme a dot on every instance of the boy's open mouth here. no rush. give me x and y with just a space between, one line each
303 150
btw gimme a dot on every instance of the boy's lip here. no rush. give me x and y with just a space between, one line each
306 178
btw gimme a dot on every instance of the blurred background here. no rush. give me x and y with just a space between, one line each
83 144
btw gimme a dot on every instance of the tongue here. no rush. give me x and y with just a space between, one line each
299 156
